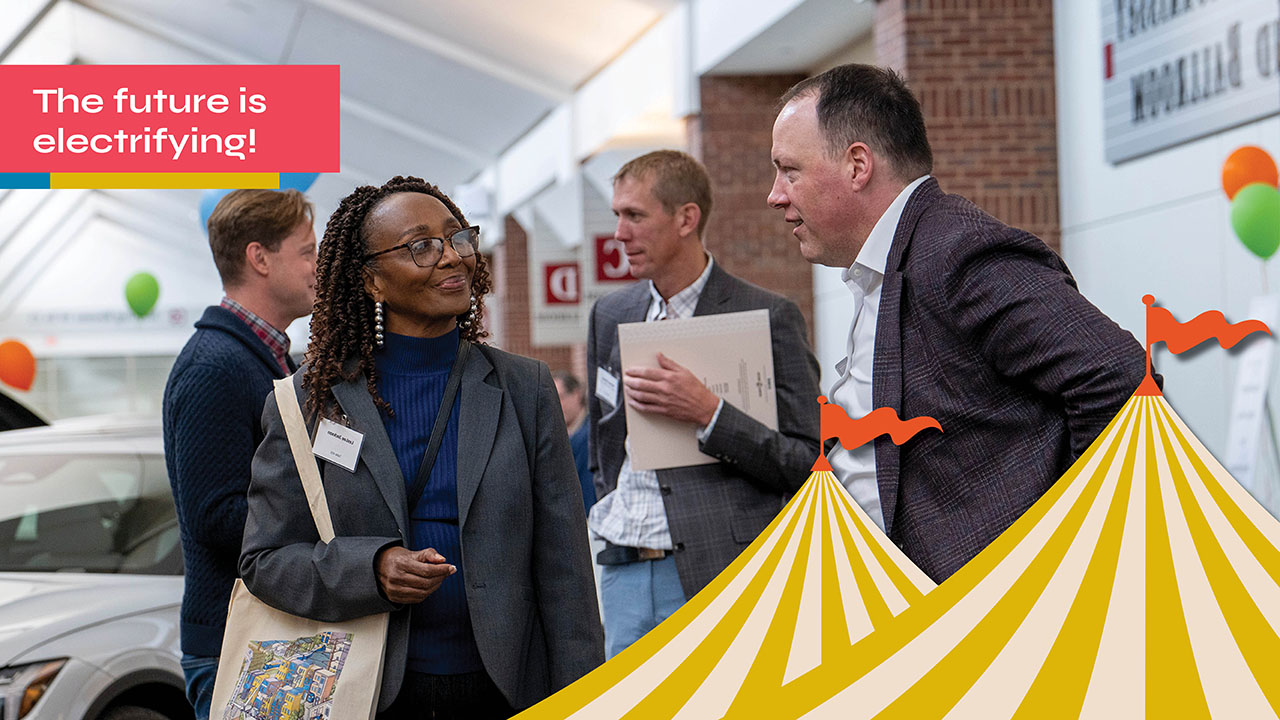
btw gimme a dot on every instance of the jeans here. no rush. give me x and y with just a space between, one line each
637 597
200 673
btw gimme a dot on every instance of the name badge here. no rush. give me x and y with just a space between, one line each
338 444
607 386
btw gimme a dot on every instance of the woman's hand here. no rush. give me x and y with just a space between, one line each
407 577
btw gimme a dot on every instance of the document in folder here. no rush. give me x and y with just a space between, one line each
731 354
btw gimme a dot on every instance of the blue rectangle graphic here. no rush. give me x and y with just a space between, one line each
24 181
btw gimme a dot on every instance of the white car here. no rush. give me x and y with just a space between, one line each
90 574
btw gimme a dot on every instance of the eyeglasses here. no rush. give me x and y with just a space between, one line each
427 252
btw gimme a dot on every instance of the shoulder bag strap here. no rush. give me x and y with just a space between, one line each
299 443
437 430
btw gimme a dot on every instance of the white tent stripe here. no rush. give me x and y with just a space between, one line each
1121 661
615 700
879 577
855 516
806 646
884 683
713 696
857 620
1228 685
1001 688
1260 586
1257 514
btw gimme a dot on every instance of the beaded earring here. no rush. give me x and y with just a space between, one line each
377 323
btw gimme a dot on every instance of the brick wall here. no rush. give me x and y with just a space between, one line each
983 71
509 267
733 137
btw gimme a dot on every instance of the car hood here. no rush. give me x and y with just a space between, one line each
38 607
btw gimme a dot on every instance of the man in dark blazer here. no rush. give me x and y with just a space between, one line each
669 532
265 250
957 316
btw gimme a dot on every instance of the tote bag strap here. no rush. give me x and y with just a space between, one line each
299 443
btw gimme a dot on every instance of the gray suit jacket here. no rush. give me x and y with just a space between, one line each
982 328
715 511
530 587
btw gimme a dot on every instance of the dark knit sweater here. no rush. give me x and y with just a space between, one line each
212 419
412 374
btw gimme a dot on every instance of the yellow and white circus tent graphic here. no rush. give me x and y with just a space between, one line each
819 578
1146 583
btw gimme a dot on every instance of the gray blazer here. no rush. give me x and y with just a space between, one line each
530 587
715 511
982 328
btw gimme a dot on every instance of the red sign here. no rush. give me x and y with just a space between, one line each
169 118
563 283
611 260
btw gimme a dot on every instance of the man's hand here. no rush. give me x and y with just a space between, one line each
407 577
670 390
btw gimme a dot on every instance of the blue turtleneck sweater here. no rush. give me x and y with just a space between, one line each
412 374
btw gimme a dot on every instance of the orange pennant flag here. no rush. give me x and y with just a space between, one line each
1208 325
836 423
1180 337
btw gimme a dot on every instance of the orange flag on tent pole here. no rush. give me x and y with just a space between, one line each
1180 337
836 423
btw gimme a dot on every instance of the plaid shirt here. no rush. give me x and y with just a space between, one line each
275 340
633 514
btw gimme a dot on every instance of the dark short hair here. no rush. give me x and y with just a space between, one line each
865 103
571 384
245 216
678 178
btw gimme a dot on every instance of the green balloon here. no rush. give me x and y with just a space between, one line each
141 292
1255 216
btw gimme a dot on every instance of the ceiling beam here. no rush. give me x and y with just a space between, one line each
36 19
444 47
213 52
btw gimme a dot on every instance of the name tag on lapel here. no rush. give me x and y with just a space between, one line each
338 444
607 386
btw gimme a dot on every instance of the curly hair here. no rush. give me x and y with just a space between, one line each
342 321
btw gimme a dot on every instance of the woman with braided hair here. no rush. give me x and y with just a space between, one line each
471 535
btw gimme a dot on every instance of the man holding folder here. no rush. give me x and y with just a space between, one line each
669 532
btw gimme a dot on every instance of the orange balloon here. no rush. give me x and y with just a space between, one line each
1248 164
17 365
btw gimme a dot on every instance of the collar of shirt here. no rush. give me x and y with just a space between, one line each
874 255
683 303
277 341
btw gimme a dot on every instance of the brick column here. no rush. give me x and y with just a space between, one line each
510 278
733 137
983 71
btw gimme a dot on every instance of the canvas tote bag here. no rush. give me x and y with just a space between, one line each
277 665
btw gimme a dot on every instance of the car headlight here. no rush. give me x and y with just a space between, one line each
22 686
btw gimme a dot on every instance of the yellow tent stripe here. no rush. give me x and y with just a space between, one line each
1258 642
591 686
835 621
874 602
1267 554
771 660
941 686
1172 684
673 692
845 667
1060 686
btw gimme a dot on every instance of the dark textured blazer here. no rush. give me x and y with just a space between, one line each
530 587
982 328
715 511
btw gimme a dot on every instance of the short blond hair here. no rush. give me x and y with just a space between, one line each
266 217
678 178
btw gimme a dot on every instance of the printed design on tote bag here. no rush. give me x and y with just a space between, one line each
289 679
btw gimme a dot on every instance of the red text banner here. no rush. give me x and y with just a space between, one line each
169 118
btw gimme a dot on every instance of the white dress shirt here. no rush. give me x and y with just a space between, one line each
856 468
633 514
